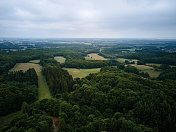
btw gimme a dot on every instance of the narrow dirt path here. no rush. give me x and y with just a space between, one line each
55 123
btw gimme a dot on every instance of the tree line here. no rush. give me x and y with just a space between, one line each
17 87
58 80
112 100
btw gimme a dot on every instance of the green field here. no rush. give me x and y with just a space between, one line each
151 71
42 85
34 61
122 60
153 64
81 73
60 59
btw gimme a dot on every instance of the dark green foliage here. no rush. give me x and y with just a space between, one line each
112 100
120 66
131 69
35 122
133 62
164 66
144 74
153 55
168 74
127 62
58 80
145 104
86 64
140 63
48 61
12 94
16 87
20 76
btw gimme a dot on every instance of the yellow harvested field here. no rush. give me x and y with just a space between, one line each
95 56
81 73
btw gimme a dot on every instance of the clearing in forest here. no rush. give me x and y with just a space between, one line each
94 56
42 85
81 73
60 59
151 71
153 64
122 60
35 61
158 65
26 66
141 67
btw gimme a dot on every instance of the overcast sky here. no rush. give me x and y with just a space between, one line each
88 18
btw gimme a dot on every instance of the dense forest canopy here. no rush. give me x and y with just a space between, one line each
121 97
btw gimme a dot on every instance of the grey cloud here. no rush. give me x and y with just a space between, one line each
88 18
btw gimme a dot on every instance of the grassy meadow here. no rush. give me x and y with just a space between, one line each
60 59
122 60
43 87
35 61
81 73
151 71
153 64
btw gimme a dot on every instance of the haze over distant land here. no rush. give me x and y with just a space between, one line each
88 18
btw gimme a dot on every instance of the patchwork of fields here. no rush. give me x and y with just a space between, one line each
145 68
76 73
